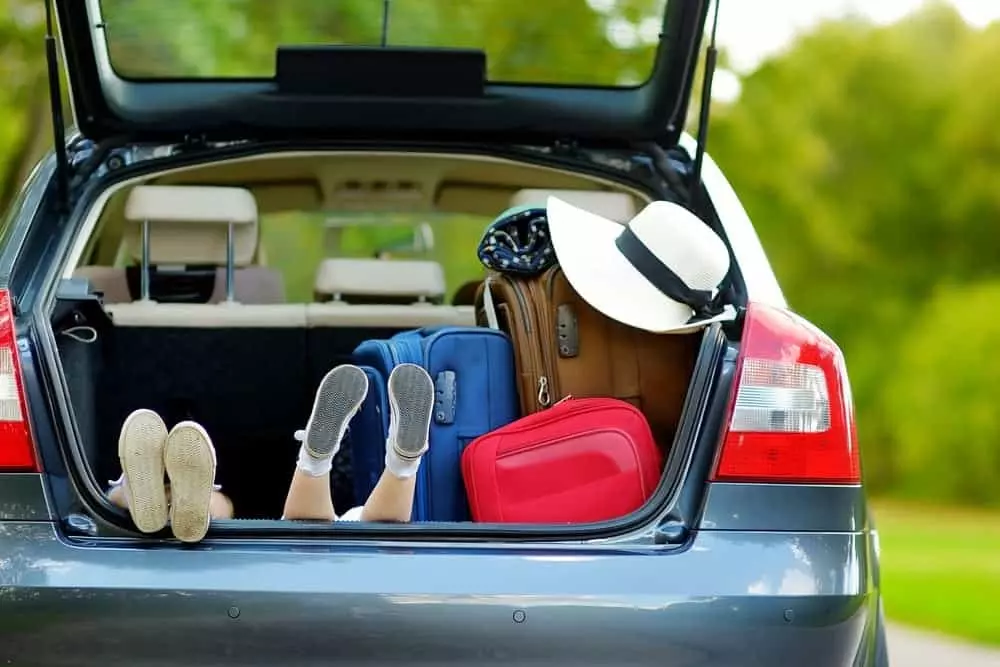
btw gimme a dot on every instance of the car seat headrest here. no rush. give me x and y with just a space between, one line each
616 206
379 280
189 224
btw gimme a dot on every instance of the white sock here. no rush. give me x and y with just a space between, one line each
398 466
311 465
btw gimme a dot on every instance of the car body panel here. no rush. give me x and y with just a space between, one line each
728 598
784 507
106 105
22 498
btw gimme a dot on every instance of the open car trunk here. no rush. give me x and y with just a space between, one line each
251 388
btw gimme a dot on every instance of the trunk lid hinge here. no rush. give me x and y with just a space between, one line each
55 98
567 148
193 143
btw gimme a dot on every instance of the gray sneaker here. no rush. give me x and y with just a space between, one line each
411 404
338 399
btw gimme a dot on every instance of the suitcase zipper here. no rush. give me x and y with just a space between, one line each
543 391
548 383
529 316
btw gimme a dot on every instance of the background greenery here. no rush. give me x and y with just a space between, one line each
868 158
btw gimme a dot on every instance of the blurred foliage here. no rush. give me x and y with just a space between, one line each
940 401
868 157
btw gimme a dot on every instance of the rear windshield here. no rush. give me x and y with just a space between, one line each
582 42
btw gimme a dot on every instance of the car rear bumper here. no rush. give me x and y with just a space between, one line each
728 598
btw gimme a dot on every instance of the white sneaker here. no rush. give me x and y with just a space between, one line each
189 458
338 399
411 406
140 452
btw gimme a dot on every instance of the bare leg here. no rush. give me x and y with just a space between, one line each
220 507
309 498
411 402
337 400
391 499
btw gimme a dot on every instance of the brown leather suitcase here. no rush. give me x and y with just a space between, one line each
563 347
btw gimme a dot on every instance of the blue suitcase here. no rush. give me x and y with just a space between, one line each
475 392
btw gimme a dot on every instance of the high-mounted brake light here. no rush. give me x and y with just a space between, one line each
17 452
791 418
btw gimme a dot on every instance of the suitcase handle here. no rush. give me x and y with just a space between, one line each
491 310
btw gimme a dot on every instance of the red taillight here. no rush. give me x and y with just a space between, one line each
17 452
791 419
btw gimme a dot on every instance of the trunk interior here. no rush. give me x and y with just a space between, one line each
251 388
250 382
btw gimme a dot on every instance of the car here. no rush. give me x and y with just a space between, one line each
758 547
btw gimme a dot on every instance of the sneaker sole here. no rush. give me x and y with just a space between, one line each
190 463
140 452
340 394
411 397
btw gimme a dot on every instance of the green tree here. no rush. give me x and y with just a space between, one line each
941 401
842 151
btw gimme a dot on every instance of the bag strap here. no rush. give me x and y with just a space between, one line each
489 306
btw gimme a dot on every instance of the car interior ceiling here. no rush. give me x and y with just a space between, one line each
248 374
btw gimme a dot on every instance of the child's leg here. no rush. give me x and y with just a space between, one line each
140 488
338 398
220 507
189 459
411 402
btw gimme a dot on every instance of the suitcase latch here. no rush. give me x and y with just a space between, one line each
444 397
569 336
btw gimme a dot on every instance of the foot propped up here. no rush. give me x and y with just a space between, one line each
338 399
140 452
189 459
411 403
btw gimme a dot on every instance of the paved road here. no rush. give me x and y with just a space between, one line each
912 648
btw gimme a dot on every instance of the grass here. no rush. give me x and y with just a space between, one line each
941 568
